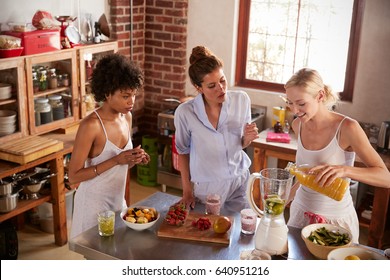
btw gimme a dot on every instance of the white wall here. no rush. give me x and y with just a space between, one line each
24 10
214 24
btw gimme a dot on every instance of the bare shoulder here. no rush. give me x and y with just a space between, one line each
350 126
90 124
352 135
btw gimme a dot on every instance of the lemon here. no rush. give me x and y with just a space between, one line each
352 257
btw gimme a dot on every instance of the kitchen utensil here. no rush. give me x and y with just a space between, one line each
5 187
322 251
188 232
383 142
33 184
73 34
10 201
103 26
275 185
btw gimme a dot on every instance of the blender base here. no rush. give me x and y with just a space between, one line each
272 240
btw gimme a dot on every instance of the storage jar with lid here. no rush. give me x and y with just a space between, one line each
35 81
57 106
42 80
53 82
44 109
65 80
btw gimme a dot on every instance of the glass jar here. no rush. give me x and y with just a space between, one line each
42 80
57 106
44 109
35 82
65 80
53 82
373 134
59 80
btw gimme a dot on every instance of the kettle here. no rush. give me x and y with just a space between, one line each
383 143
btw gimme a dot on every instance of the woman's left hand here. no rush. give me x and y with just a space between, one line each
251 132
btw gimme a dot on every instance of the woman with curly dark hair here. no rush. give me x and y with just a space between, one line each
103 151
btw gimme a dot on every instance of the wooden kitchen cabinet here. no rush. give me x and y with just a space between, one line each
66 62
56 197
88 56
12 72
18 72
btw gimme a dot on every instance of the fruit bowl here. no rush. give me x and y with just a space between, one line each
137 212
322 251
360 252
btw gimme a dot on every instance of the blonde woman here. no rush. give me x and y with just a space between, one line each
328 142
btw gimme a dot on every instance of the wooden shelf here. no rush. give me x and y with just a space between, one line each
23 206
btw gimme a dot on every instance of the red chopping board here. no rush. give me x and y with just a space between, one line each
188 232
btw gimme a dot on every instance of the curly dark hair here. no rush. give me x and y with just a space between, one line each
115 72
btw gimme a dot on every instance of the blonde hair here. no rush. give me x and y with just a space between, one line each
311 82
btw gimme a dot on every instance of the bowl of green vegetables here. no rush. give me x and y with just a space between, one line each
321 239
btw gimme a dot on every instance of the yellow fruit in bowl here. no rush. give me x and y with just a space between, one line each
222 224
352 257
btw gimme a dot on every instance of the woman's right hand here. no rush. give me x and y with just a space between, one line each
132 156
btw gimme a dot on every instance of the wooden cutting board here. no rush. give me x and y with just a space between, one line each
188 232
29 148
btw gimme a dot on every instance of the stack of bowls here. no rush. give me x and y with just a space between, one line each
7 122
5 91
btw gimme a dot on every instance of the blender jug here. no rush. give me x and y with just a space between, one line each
275 185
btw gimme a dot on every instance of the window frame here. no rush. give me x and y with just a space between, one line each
242 43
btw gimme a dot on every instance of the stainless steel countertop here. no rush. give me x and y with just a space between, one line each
128 244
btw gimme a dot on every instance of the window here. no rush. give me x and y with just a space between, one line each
276 38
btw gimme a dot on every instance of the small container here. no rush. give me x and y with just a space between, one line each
373 134
278 127
59 80
35 82
57 106
213 204
53 82
42 80
44 109
286 128
248 221
65 80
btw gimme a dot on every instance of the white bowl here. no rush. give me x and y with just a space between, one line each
7 130
362 252
7 116
135 226
5 91
322 251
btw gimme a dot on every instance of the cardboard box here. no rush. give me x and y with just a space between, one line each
38 41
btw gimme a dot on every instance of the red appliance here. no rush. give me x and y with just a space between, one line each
38 41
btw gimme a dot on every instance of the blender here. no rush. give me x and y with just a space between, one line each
271 232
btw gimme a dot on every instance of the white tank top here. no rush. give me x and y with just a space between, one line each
104 192
332 154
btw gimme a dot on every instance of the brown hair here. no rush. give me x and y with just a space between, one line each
311 82
202 62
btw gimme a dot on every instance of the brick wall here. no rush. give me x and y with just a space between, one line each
159 44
